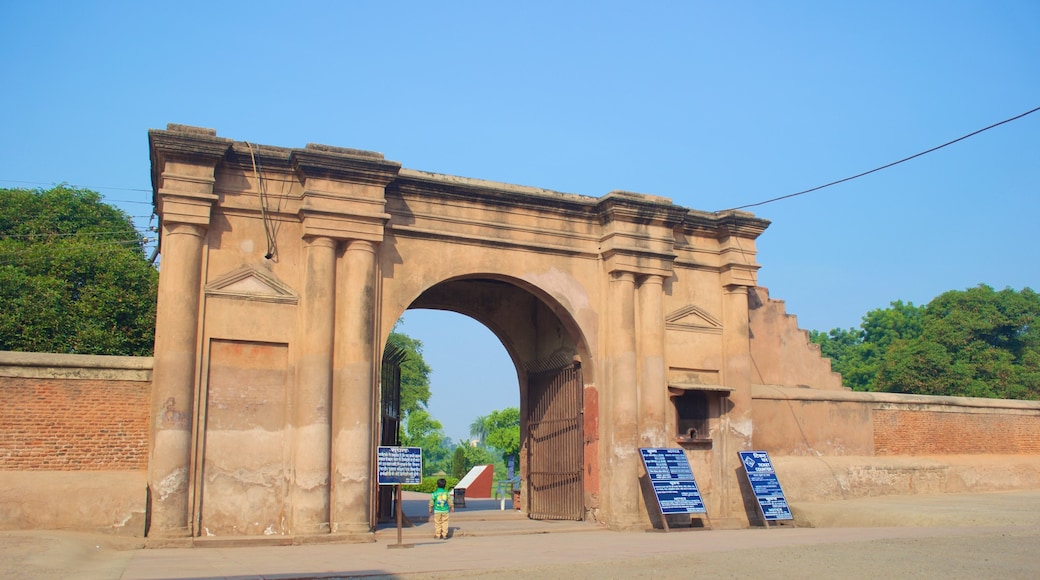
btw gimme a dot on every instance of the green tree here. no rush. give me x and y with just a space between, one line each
477 455
458 462
858 353
422 430
478 430
848 356
977 342
503 432
415 373
74 277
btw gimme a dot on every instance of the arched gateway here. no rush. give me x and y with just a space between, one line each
283 271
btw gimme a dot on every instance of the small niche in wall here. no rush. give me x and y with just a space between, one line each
697 410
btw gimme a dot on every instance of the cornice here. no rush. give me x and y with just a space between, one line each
721 224
242 155
184 143
640 211
411 181
342 164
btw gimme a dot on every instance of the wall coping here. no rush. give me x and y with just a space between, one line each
779 393
44 365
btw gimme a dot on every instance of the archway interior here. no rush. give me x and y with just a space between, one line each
472 374
538 342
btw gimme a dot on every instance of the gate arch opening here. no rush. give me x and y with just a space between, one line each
545 346
471 372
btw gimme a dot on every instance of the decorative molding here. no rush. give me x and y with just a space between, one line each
250 283
343 165
693 319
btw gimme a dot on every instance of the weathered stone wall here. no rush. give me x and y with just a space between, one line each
842 444
781 351
74 442
796 421
828 478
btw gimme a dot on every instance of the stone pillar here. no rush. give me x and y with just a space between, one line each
173 378
314 390
353 397
652 388
736 368
184 161
623 453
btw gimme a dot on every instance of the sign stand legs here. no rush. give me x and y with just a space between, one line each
399 509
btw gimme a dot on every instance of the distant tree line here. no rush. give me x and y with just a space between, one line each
971 343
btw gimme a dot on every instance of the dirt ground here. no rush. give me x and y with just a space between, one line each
32 555
1005 554
965 536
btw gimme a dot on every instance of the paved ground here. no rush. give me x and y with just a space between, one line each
993 535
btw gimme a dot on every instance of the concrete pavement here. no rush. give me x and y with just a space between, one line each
487 542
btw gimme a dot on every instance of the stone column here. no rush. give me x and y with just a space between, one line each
184 161
314 390
652 388
173 378
736 368
353 404
623 453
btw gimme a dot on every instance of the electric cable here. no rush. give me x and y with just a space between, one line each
790 195
262 191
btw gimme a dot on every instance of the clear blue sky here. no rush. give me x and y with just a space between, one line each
714 105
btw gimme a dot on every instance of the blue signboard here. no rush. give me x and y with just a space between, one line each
672 479
399 465
765 486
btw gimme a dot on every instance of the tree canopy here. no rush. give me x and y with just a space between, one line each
74 277
422 430
977 342
415 373
503 432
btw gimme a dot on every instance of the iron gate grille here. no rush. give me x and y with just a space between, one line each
555 488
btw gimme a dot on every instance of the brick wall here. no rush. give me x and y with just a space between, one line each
73 425
74 412
823 422
920 432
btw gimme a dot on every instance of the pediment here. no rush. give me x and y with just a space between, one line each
693 319
250 283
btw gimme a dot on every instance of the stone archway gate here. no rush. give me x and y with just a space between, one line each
283 271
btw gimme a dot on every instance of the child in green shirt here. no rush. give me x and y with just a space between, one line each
440 507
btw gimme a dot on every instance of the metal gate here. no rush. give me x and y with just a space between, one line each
389 420
554 449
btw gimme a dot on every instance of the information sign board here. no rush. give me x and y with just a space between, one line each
672 479
765 486
399 465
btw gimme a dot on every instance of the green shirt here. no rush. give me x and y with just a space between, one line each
439 500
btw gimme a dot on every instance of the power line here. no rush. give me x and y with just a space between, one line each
972 134
34 256
92 188
80 233
768 201
71 185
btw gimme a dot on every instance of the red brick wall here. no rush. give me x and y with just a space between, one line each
73 424
919 432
